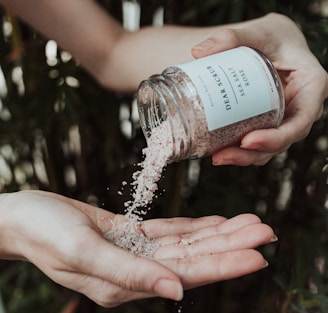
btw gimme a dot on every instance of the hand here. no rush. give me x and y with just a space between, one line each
210 249
65 239
305 84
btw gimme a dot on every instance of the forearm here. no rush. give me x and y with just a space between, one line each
80 27
149 51
152 49
118 59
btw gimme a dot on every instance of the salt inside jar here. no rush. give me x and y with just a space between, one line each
211 103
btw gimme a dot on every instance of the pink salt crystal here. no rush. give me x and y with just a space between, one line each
129 236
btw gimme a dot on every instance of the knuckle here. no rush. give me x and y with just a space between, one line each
232 37
303 133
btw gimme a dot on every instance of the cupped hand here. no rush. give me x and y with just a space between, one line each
305 84
210 249
65 239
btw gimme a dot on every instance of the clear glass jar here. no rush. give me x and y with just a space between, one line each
211 103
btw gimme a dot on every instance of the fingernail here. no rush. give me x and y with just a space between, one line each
274 239
169 289
266 264
217 162
251 145
205 45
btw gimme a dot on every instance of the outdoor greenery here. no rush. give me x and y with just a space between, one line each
61 131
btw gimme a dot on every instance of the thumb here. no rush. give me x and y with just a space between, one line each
229 38
221 40
127 270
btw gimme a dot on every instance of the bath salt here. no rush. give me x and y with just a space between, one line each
156 156
129 236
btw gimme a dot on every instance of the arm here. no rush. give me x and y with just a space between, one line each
118 59
65 239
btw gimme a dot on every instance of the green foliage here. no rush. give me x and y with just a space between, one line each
59 102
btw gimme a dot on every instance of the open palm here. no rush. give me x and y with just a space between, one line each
65 238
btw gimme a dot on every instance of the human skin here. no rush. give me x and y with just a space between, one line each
304 80
64 238
120 59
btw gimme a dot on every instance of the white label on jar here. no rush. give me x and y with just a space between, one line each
233 85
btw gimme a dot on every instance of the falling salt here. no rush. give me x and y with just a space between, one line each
179 307
129 235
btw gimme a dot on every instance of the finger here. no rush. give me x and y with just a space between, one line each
248 237
200 270
221 40
241 157
267 142
229 38
259 146
238 222
229 225
164 227
252 33
103 260
303 108
98 290
295 127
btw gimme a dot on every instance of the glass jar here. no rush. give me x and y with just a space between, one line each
205 105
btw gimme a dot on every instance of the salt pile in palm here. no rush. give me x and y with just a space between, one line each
129 236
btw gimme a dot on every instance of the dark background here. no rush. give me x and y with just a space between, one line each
60 105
